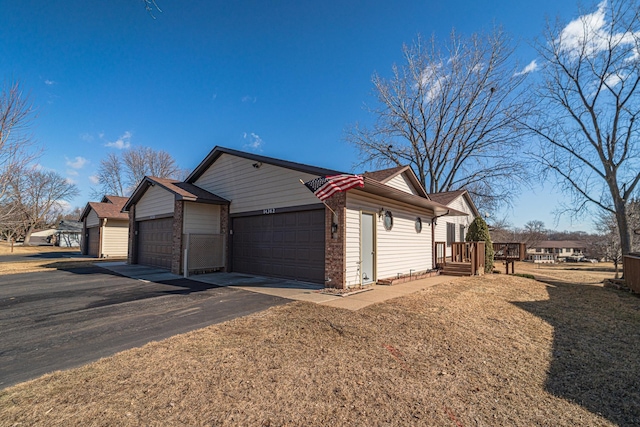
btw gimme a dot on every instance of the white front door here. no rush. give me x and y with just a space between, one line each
367 248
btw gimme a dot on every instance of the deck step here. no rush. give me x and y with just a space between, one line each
457 269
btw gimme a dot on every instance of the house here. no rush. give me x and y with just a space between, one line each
42 237
68 234
550 251
248 213
105 228
451 228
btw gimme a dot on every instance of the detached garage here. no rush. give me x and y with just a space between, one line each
105 229
164 211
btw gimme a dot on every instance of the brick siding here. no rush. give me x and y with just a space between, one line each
176 253
335 243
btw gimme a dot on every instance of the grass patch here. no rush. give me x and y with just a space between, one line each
525 275
489 350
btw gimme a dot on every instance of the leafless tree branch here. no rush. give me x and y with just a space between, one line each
586 121
448 112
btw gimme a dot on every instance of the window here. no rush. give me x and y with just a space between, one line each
451 233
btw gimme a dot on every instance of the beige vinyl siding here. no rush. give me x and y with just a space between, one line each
402 183
459 204
397 251
115 238
92 219
201 218
254 189
155 201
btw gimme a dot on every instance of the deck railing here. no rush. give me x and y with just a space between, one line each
509 251
462 252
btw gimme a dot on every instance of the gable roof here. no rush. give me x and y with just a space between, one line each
376 187
111 209
69 226
181 190
116 200
104 210
385 175
447 197
218 151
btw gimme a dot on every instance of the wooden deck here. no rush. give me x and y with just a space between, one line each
467 258
509 253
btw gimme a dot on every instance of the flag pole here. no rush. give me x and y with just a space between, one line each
323 202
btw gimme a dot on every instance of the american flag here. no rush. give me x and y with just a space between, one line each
325 187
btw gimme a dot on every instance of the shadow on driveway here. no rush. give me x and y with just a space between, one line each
596 349
60 319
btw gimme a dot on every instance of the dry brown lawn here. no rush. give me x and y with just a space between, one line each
38 265
492 351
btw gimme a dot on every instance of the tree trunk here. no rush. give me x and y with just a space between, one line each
27 236
623 226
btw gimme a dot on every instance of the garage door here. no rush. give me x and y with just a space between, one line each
93 241
155 242
288 245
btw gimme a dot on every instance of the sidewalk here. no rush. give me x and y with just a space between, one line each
290 289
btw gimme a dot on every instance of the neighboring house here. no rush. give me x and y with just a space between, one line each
248 213
550 251
105 228
42 237
451 229
68 234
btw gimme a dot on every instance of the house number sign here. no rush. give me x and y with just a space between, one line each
268 211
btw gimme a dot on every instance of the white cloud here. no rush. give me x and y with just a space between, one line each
77 163
533 66
94 179
64 205
49 82
432 81
251 99
87 137
254 142
72 172
613 79
71 181
121 143
590 34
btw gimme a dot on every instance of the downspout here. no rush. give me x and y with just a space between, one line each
433 238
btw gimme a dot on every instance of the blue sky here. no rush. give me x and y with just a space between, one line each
284 79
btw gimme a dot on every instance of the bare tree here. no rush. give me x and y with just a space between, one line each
608 245
16 115
586 123
151 6
533 233
35 193
110 176
119 176
448 112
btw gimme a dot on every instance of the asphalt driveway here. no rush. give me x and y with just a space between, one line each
61 319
